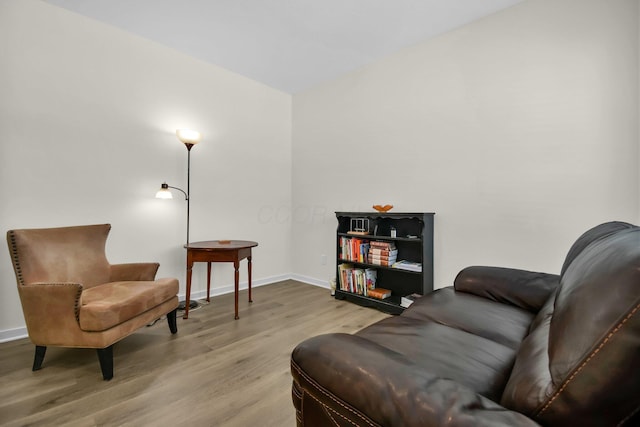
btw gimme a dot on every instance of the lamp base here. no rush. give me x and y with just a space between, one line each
192 304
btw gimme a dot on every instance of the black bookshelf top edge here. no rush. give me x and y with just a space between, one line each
386 267
382 214
380 237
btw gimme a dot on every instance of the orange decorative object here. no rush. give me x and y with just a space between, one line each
381 208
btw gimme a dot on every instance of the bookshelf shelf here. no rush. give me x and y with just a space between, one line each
353 253
376 266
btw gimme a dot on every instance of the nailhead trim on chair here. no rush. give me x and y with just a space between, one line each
76 306
14 257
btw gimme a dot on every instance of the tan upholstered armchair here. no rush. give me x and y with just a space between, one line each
72 297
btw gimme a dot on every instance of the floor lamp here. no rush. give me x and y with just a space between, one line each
189 138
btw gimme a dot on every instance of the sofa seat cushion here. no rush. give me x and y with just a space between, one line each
479 363
110 304
502 323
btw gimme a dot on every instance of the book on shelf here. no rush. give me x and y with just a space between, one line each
408 265
382 262
356 280
343 277
370 275
391 258
379 293
384 256
382 245
407 300
354 249
380 251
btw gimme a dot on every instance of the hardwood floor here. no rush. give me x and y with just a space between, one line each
216 371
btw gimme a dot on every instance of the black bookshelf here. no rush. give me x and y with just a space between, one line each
417 248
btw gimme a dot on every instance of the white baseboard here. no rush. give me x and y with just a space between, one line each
310 280
13 334
19 333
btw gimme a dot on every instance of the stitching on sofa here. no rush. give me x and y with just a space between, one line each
321 389
625 419
297 392
329 410
577 371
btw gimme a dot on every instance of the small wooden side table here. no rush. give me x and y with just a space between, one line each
218 251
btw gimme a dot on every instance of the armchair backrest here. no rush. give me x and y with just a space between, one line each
64 254
580 363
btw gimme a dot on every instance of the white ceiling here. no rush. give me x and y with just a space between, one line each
290 45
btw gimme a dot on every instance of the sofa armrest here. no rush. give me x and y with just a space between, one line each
134 271
348 378
50 307
524 289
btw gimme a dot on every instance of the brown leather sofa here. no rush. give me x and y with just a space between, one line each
502 347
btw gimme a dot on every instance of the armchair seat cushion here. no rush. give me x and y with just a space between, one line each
110 304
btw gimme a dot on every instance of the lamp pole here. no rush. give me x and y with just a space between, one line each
189 138
189 146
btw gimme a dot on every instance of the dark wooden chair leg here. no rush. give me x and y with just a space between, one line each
105 356
39 357
171 319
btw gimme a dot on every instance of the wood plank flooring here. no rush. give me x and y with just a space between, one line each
216 371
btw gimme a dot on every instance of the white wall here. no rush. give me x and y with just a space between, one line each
87 121
519 130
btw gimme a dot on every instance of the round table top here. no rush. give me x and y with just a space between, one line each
221 245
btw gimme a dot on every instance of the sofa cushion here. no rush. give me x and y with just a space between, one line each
578 361
481 364
107 305
502 323
346 381
511 286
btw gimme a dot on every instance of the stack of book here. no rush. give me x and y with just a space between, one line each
382 253
408 265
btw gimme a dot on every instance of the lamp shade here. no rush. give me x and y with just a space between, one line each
189 136
164 192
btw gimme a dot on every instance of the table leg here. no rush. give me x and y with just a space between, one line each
249 267
236 265
208 280
188 297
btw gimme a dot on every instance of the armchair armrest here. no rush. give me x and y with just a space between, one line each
359 380
524 289
50 307
134 271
